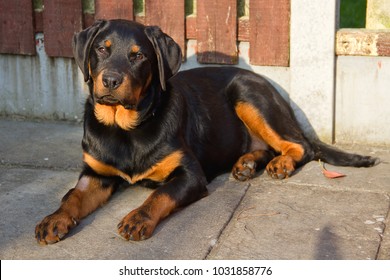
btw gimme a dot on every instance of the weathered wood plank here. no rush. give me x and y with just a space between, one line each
243 29
191 27
169 15
217 31
363 42
38 21
16 27
113 9
269 32
61 19
88 20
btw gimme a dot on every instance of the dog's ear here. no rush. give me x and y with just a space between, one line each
168 53
82 43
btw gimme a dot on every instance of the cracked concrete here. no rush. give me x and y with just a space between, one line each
304 217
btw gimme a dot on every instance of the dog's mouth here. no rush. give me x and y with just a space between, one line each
112 101
108 100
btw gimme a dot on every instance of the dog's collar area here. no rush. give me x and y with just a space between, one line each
150 105
130 107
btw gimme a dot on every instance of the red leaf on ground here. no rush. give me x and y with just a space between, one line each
330 174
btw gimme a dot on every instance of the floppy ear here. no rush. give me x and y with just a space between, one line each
82 43
167 51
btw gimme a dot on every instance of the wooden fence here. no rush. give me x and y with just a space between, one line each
215 25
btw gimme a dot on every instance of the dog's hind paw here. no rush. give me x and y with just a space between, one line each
281 167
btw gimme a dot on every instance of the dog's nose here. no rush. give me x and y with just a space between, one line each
112 80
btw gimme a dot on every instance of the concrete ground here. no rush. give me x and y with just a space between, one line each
305 217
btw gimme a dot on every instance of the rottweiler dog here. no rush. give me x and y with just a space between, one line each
146 122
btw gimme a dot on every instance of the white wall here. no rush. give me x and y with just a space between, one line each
363 100
40 87
312 43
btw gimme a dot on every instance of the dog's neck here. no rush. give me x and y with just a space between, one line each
149 104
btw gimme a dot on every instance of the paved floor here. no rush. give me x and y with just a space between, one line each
305 217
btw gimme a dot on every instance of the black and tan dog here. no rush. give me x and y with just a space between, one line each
175 133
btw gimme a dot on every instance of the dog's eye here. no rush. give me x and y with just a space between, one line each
101 50
139 56
136 56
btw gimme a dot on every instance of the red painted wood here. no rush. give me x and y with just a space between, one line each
217 31
16 27
243 29
191 27
61 19
113 9
215 26
38 22
88 20
269 32
170 16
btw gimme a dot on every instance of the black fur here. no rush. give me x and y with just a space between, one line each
134 68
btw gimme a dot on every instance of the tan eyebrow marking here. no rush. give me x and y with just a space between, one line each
107 43
135 48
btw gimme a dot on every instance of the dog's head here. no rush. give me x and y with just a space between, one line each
122 59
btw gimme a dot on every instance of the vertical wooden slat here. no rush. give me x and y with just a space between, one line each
88 20
61 19
217 31
169 15
114 9
191 27
269 32
16 27
38 21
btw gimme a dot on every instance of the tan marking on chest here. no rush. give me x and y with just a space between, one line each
104 169
111 115
158 172
161 170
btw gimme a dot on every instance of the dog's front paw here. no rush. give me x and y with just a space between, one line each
281 167
137 225
54 227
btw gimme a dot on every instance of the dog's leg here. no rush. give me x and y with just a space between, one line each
246 166
186 185
140 223
88 194
291 153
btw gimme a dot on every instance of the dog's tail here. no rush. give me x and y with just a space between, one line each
332 155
